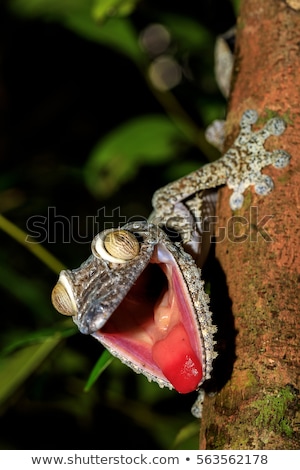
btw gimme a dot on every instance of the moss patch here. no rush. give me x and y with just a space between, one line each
273 410
269 114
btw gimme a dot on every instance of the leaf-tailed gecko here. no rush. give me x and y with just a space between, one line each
140 292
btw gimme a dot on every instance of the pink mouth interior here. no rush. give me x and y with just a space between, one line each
154 326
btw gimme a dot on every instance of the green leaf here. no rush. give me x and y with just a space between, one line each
20 339
48 8
187 435
104 8
16 368
103 362
236 6
150 139
77 15
24 239
30 292
117 33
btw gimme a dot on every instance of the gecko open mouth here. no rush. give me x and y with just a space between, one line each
150 311
152 326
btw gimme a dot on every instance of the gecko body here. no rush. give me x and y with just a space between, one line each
140 292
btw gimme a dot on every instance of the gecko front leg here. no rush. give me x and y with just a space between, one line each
239 168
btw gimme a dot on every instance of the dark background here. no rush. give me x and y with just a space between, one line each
60 94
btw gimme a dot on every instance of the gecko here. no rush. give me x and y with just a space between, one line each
140 292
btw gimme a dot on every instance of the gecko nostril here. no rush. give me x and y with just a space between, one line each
62 301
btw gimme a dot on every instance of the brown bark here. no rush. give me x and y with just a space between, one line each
258 408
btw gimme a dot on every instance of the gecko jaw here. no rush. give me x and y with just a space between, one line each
151 312
153 328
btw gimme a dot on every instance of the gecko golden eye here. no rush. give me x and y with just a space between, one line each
62 301
122 244
116 246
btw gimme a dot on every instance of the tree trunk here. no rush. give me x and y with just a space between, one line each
258 408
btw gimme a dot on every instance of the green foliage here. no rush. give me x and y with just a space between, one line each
99 9
27 356
186 436
49 8
103 8
116 33
83 16
103 362
273 411
44 364
236 5
151 140
37 250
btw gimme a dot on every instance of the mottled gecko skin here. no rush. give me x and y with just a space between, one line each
239 168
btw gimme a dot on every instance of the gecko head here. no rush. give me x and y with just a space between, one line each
142 297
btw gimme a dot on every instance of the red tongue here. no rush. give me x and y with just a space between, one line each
177 360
